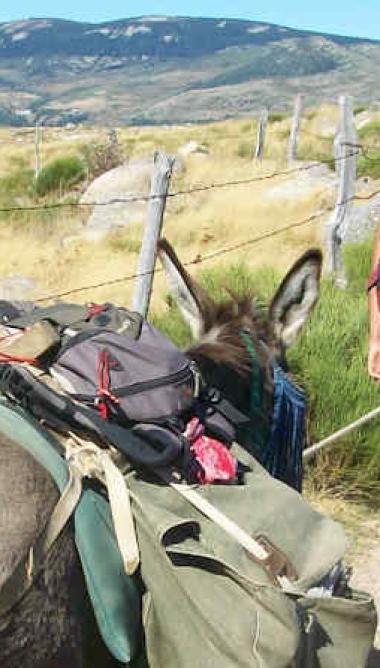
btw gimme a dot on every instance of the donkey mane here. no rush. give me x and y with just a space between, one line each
221 341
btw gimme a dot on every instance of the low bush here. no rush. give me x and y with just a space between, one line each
359 109
276 116
370 131
60 175
369 162
100 158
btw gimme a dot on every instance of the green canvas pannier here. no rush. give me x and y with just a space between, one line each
207 602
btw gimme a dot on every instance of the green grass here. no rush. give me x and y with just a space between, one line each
16 190
16 184
60 175
277 116
369 162
371 131
330 360
308 151
124 244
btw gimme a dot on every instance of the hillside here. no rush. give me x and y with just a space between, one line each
170 70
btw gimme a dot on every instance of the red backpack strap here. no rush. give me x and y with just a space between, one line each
11 357
18 358
104 384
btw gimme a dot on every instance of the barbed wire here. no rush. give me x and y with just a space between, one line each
199 259
173 194
358 148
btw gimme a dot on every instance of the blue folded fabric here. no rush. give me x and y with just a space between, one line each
282 456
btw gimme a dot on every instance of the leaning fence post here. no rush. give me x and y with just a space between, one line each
37 142
260 136
162 171
295 129
345 152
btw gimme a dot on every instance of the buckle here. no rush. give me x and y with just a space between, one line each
277 563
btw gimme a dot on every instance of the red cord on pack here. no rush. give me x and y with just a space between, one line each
103 391
9 357
95 309
18 358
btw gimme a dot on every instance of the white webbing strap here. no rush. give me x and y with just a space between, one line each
95 462
252 546
120 503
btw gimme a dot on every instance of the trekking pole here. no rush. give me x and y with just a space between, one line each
317 447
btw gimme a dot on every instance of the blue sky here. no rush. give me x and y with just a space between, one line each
346 17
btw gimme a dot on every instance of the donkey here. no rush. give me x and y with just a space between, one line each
52 626
219 349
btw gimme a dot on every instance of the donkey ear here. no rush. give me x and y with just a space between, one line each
296 297
191 299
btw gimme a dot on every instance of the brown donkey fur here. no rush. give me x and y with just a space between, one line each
219 348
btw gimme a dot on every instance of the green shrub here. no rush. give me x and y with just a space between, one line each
370 131
369 165
60 175
276 116
369 162
359 108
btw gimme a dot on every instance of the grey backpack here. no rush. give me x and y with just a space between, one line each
128 380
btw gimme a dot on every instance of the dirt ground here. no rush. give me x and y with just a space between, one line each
363 528
366 576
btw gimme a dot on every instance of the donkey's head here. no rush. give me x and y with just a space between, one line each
220 328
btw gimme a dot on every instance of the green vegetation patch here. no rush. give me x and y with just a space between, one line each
277 116
369 162
60 175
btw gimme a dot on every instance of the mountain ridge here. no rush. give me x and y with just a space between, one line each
171 69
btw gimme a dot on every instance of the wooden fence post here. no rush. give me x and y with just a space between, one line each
345 151
37 142
163 165
260 136
295 129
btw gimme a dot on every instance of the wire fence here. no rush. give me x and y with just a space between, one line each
200 259
173 194
357 149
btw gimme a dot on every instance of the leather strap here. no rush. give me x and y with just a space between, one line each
261 551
